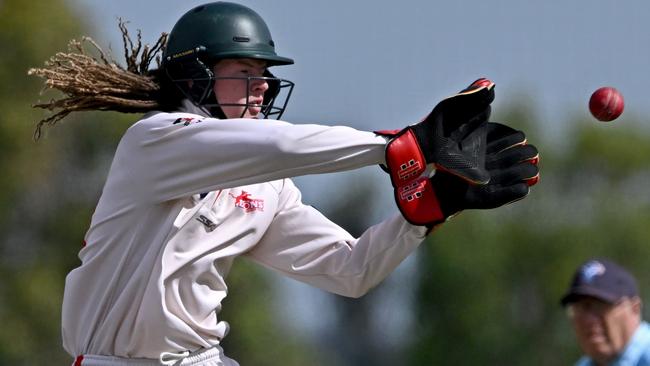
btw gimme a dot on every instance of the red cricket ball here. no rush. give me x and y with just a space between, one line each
606 104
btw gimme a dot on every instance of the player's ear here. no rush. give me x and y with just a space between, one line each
636 304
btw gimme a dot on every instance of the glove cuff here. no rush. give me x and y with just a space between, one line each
404 158
418 202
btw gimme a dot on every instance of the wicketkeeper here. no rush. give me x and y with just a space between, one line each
203 178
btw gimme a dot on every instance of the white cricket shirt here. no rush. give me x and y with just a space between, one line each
156 257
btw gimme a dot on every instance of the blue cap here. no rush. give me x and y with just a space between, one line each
601 279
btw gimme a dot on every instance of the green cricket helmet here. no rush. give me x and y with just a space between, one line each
213 32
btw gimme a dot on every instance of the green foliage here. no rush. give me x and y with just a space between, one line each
257 336
26 41
491 281
31 285
488 283
614 149
48 192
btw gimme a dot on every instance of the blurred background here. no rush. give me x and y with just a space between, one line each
483 289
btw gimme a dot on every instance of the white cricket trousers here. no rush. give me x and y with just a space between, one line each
206 357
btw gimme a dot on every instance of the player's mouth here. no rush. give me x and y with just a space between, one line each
255 105
256 102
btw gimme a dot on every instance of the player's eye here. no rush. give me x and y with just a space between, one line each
253 72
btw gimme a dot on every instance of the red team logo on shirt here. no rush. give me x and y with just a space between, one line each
247 203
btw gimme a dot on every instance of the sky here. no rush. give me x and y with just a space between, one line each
385 64
380 64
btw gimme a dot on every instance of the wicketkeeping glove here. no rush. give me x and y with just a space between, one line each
452 137
512 165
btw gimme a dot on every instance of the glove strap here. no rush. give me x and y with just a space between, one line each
418 203
414 193
404 158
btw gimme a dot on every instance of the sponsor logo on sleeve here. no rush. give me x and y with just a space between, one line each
186 121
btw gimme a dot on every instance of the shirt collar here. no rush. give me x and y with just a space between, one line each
188 107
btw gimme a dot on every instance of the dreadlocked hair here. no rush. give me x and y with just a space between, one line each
97 82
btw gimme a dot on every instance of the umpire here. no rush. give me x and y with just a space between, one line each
604 307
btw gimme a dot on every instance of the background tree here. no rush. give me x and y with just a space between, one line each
488 283
48 192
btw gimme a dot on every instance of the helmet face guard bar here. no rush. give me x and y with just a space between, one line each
196 81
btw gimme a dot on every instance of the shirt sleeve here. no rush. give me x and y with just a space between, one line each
170 155
303 244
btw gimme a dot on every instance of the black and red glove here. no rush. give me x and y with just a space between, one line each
512 164
452 138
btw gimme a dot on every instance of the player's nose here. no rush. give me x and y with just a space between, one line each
259 85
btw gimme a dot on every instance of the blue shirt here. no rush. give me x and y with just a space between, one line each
636 353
